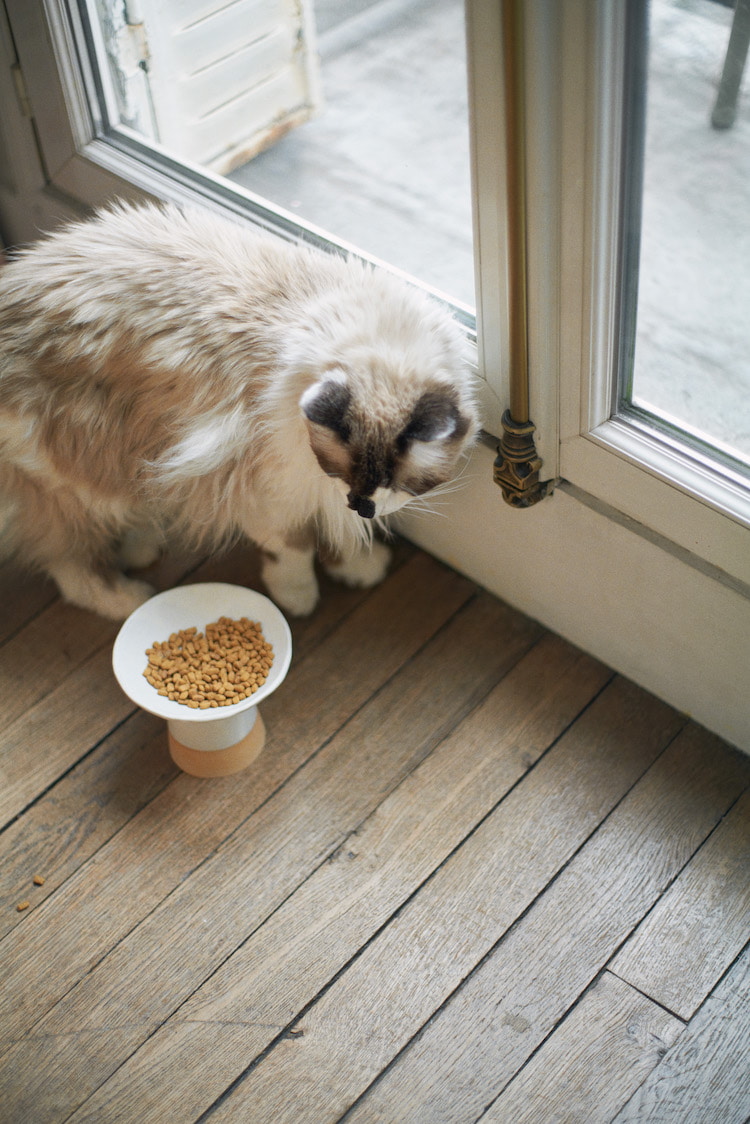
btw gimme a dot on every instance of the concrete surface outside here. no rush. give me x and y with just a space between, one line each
386 165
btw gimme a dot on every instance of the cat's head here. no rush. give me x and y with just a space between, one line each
386 438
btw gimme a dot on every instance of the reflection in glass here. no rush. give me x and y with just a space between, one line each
350 114
692 339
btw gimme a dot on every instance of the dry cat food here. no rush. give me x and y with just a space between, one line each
224 665
38 880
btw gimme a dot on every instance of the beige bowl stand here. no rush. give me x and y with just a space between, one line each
219 762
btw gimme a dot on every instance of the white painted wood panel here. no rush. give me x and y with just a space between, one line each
639 608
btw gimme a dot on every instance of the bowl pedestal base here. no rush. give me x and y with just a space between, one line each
219 762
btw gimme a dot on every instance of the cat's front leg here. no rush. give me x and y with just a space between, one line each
288 572
365 567
140 547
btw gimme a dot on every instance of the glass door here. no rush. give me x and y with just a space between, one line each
654 399
686 370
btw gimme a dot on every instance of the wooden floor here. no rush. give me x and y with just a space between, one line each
474 875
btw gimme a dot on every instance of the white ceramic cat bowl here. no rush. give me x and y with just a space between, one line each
219 740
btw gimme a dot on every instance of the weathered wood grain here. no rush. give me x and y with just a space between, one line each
55 639
189 820
56 643
22 597
701 924
290 835
404 912
371 1011
85 809
58 731
705 1076
68 824
595 1060
313 934
475 1044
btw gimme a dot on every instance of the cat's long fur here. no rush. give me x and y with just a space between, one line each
169 369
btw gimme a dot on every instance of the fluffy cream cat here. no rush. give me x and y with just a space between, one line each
168 370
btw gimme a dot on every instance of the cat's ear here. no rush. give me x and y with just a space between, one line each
436 417
326 403
325 407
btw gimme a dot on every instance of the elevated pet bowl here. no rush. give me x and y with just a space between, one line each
219 740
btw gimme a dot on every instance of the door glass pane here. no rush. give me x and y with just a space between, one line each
689 365
351 115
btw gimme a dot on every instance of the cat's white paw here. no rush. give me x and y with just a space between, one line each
364 569
297 600
290 580
122 599
139 548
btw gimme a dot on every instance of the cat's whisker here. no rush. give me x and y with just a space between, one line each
441 496
452 486
424 507
448 489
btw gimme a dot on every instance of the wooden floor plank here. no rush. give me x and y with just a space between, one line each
494 1022
89 805
414 905
256 868
321 926
705 1076
701 924
359 1024
298 718
57 638
24 596
39 658
58 731
593 1063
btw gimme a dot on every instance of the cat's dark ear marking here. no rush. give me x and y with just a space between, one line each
326 403
435 416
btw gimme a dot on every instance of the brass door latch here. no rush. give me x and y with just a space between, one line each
517 465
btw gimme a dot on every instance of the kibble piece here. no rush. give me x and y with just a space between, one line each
221 667
38 880
22 906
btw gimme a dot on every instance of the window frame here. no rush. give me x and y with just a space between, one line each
622 460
